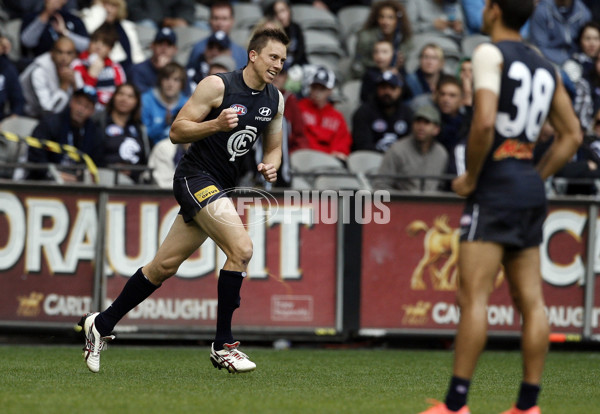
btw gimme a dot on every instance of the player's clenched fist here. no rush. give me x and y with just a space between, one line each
227 119
268 171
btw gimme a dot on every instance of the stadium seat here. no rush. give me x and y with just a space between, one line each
321 42
11 152
202 14
312 162
313 18
146 35
246 15
350 99
12 30
187 37
352 19
240 36
335 182
470 42
366 162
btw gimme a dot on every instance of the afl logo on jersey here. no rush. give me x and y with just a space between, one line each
241 142
239 109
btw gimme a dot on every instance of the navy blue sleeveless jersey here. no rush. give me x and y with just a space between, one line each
508 177
221 154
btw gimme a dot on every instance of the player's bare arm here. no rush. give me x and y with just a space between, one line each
272 145
487 65
189 125
567 136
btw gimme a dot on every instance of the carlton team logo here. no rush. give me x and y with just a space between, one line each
239 109
241 142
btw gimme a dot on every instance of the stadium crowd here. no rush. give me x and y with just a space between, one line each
389 77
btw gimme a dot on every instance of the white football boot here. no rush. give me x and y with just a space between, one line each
231 359
94 343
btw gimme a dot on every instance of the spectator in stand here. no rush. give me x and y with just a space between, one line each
581 63
18 9
163 160
162 13
11 94
430 16
282 12
94 68
127 51
455 118
555 24
587 96
217 44
221 64
49 80
324 126
161 104
72 126
164 49
421 84
384 119
123 134
221 19
416 154
465 74
383 56
40 30
389 21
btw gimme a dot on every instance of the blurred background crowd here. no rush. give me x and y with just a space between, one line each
378 93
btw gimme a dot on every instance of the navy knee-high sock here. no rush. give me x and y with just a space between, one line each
134 292
228 294
457 393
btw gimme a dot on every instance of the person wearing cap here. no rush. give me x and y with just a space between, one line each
73 126
218 44
221 20
324 126
164 48
384 118
418 154
49 80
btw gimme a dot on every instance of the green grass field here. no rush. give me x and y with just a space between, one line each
143 380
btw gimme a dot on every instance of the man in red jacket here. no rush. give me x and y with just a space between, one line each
324 126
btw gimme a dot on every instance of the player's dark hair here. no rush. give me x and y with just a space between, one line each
515 12
262 37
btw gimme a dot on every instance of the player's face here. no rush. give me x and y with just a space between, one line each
486 24
269 62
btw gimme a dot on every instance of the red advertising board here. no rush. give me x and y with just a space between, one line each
410 266
47 258
47 243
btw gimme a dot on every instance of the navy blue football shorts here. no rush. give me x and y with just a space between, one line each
194 192
514 228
